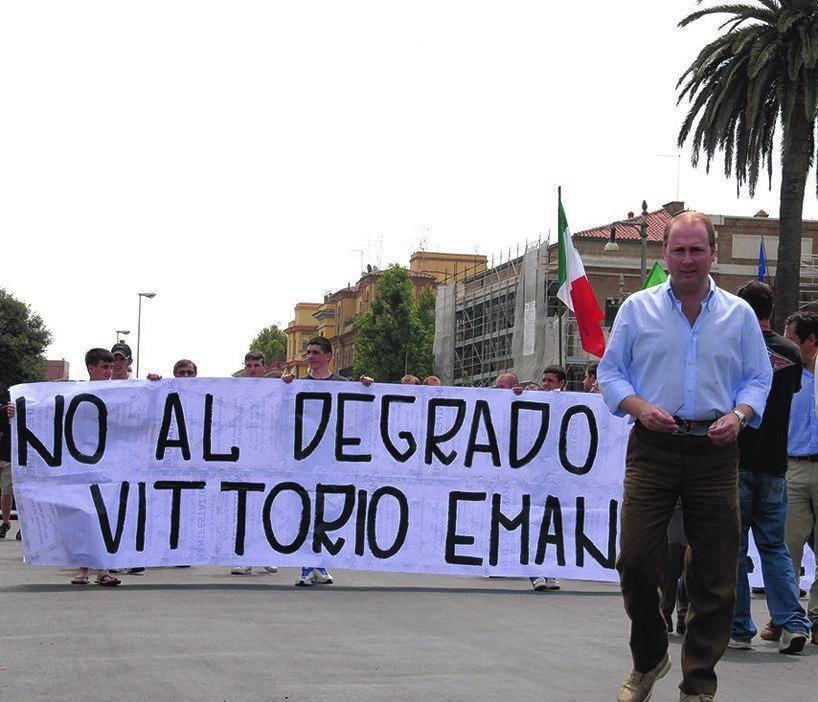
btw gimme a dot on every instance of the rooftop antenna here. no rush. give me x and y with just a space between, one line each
678 158
361 252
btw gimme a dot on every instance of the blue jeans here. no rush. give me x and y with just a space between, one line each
763 501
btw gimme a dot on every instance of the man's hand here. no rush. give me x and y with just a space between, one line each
288 377
10 410
366 380
724 430
517 390
655 418
154 376
650 416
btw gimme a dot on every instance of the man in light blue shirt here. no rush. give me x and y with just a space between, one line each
802 448
688 362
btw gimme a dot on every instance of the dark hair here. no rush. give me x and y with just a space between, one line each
556 370
254 355
806 323
321 341
692 217
185 362
592 367
759 296
95 356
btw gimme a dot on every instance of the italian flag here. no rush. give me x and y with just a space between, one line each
575 290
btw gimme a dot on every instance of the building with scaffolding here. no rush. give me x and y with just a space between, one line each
508 317
334 318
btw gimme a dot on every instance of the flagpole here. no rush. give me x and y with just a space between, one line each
559 318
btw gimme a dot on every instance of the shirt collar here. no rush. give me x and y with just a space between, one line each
707 302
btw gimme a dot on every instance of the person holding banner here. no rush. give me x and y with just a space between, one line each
688 362
510 381
100 365
319 355
254 367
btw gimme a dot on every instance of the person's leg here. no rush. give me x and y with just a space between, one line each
744 628
780 584
5 491
812 607
712 526
5 506
652 477
800 520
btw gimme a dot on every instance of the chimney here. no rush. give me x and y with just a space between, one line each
674 207
761 213
630 215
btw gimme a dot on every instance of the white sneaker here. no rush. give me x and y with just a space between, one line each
271 569
739 645
242 570
322 576
307 577
543 583
792 642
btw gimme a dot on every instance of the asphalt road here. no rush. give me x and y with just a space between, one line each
202 634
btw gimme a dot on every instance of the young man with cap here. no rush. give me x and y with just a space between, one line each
123 360
688 362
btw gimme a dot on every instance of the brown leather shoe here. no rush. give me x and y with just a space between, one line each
638 687
771 632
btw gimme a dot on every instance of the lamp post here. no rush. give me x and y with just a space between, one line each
149 295
642 226
121 334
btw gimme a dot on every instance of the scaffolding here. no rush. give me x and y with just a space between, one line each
506 317
808 286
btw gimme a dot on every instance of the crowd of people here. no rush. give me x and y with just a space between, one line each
725 441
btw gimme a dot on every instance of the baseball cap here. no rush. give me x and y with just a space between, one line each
123 349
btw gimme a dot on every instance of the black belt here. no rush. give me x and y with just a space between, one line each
811 458
694 427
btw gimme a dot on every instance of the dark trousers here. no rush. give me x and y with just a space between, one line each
674 594
661 468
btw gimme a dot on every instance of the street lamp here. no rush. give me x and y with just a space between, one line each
149 295
121 334
642 226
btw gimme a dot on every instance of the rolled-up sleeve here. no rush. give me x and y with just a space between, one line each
757 371
612 373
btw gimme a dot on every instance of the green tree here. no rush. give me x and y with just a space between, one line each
392 337
762 69
272 342
23 340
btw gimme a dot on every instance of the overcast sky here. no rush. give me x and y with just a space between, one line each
232 157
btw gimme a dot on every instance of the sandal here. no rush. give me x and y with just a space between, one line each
108 580
80 580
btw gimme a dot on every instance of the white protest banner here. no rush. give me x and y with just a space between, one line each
255 471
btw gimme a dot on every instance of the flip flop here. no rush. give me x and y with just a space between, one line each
80 580
107 580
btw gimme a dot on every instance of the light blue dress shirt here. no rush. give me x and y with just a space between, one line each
698 372
803 437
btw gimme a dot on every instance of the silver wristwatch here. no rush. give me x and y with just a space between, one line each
742 418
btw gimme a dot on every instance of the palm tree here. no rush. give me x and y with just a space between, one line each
760 71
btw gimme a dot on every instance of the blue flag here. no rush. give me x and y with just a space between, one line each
762 261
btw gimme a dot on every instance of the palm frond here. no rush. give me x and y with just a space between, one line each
743 11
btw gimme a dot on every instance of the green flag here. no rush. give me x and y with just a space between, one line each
657 275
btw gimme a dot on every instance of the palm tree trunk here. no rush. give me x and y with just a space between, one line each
795 162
